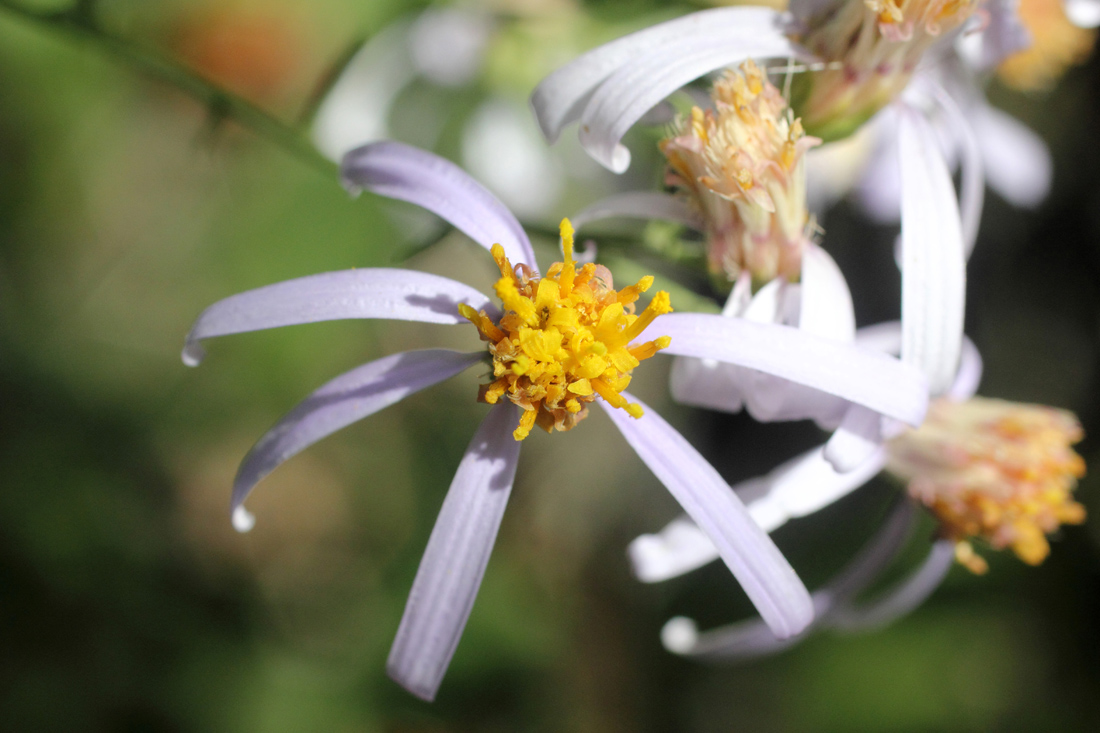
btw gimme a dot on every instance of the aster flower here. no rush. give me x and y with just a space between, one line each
562 341
995 472
739 177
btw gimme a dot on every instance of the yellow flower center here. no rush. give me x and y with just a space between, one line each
741 166
563 339
998 471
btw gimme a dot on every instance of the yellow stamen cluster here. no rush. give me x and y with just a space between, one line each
872 48
1056 44
741 165
564 339
998 471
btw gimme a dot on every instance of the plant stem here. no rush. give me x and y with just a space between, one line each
79 22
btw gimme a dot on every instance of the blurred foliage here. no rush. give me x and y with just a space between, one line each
128 603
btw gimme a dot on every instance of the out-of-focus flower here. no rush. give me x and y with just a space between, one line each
1057 42
563 339
998 472
252 54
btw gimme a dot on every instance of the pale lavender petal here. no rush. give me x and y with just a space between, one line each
969 375
875 556
559 98
677 549
628 93
1003 35
856 440
972 193
403 172
350 397
1017 161
763 572
454 562
884 337
403 295
639 205
1083 13
933 265
826 303
706 383
864 377
879 188
902 599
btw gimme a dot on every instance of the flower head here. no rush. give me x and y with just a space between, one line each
564 339
993 470
871 48
741 166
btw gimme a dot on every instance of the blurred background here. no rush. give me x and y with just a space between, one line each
127 601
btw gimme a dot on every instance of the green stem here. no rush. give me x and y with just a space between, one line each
79 22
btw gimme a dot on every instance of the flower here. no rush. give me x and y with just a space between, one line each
987 470
574 333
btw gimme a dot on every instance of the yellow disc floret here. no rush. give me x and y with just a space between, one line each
998 471
564 339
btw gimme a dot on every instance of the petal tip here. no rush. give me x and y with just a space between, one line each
243 520
193 353
398 674
679 635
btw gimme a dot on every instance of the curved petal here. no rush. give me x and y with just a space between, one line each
825 308
756 562
972 193
404 295
639 205
864 377
744 640
625 96
856 440
902 599
454 562
350 397
403 172
1017 161
933 265
969 375
559 98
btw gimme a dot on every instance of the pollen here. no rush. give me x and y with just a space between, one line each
740 165
999 472
564 339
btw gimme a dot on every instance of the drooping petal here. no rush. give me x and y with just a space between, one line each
639 205
826 303
933 265
350 397
858 437
763 572
969 375
1017 161
795 489
627 94
1083 13
864 377
745 640
972 193
403 172
903 598
403 295
454 562
559 98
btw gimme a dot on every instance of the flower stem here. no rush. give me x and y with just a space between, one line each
79 22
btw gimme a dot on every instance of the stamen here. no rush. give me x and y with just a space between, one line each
564 339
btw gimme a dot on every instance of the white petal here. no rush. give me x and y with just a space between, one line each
677 549
639 205
454 562
856 440
1083 13
403 172
559 98
634 89
404 295
826 305
874 380
1017 161
448 44
972 193
933 265
747 550
969 375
